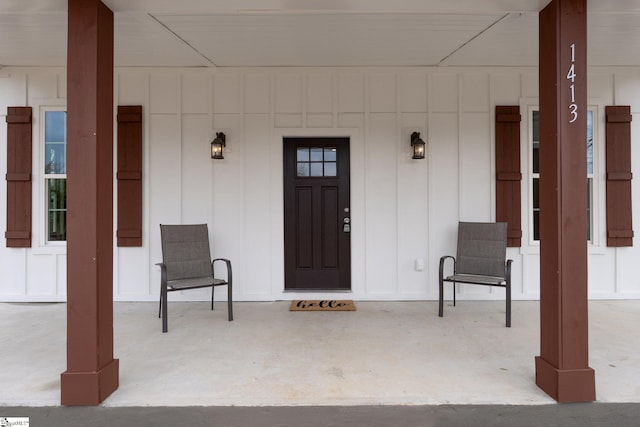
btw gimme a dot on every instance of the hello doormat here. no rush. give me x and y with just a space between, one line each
322 305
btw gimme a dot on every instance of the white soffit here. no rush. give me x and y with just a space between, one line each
326 39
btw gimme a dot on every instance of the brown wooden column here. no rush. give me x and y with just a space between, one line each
562 369
92 372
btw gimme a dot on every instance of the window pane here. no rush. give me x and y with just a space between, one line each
55 153
303 169
57 209
55 126
316 154
55 161
330 169
303 154
316 169
589 208
536 142
330 154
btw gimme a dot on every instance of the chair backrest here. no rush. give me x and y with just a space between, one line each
185 251
482 248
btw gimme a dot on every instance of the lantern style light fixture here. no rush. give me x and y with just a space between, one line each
217 144
418 145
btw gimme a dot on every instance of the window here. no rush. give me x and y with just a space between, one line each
316 162
535 175
55 173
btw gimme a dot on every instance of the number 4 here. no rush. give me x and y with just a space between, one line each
571 74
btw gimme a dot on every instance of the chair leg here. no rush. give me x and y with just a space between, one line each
213 290
454 294
165 322
160 308
440 297
230 301
508 288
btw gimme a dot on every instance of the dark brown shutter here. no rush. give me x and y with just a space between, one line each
508 174
129 176
618 133
19 154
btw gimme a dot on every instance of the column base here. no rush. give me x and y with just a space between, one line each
566 385
89 388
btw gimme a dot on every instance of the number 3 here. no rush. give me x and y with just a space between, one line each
574 112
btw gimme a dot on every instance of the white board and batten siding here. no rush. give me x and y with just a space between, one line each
401 209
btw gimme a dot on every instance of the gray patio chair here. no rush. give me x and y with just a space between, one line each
187 264
480 260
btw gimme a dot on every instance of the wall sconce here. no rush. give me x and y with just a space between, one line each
217 144
419 146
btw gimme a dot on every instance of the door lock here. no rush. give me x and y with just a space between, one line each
346 227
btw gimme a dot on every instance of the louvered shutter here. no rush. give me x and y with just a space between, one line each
618 152
19 153
508 175
129 232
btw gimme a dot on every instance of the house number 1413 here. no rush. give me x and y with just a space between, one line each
571 76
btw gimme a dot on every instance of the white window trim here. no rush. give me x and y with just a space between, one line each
595 244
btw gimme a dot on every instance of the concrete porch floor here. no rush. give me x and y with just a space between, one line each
385 353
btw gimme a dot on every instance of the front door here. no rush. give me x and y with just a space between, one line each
317 218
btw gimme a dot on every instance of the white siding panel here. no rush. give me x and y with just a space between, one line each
196 93
42 86
627 90
13 92
320 93
475 93
506 88
475 168
164 93
444 93
350 93
413 93
164 184
413 212
196 169
601 275
226 93
381 179
14 271
255 267
41 276
530 84
289 120
132 88
131 275
319 120
382 89
257 93
289 93
443 191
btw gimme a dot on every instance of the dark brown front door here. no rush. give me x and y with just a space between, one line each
317 217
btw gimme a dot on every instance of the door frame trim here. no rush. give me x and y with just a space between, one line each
357 181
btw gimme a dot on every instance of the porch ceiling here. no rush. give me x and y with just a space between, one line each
224 33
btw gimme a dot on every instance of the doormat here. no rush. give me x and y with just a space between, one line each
322 305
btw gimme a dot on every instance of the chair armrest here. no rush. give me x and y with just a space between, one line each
163 273
507 270
442 260
228 264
